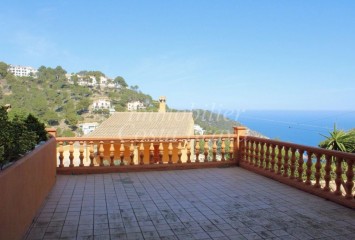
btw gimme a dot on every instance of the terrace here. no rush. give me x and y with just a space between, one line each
196 187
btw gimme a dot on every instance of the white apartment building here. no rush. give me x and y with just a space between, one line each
88 127
22 71
103 80
134 106
112 111
101 104
92 81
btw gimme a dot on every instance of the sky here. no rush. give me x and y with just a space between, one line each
236 55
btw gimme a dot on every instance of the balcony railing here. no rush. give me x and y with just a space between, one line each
93 155
326 173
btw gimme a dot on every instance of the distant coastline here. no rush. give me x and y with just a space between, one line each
301 127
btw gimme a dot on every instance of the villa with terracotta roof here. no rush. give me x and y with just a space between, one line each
146 124
155 125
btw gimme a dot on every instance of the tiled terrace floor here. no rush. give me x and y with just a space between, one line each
228 203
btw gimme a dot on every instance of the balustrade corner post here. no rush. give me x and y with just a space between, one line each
240 131
52 132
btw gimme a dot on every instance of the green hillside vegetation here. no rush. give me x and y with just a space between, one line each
57 103
18 136
339 140
213 123
64 104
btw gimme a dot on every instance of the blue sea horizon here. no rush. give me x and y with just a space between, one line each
301 127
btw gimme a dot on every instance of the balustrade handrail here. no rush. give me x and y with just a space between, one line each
314 150
103 154
143 138
323 172
326 173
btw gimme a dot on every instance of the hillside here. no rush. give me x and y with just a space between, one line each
61 102
64 100
215 123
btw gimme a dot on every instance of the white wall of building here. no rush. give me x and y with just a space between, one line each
134 106
101 104
198 129
88 127
22 71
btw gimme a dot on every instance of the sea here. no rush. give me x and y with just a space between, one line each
301 127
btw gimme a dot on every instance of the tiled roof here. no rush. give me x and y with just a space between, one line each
146 124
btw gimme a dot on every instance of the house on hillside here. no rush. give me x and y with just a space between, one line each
22 71
101 104
103 80
135 105
84 80
198 129
93 82
152 125
88 127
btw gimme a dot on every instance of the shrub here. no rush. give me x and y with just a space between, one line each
33 124
18 136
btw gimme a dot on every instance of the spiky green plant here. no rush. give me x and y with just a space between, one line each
339 140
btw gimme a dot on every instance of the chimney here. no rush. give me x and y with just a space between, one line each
162 104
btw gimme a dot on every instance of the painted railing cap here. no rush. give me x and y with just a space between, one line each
315 150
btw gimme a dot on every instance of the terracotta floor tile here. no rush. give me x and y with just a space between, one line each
229 203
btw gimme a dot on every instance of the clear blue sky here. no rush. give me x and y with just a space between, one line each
210 54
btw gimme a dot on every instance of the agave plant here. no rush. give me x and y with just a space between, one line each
339 140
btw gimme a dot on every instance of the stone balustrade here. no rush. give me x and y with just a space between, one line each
326 173
93 155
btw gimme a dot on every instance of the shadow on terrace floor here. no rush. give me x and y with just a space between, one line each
228 203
